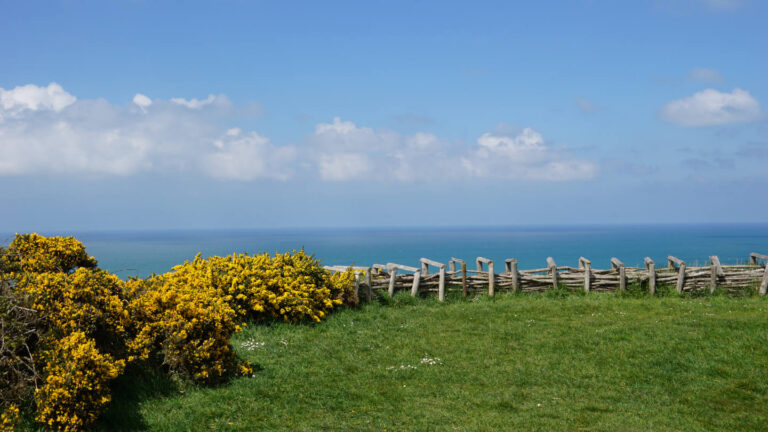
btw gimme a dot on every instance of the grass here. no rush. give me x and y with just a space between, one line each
513 362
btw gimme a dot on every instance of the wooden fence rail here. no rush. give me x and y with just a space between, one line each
388 277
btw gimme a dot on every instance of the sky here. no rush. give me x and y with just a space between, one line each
279 114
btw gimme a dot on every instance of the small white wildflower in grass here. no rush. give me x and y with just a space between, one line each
401 367
251 345
431 361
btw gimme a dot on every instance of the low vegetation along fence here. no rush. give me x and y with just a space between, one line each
433 276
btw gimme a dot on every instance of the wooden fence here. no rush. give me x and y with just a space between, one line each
433 276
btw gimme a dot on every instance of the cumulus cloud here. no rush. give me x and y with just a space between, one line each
238 156
524 156
345 151
340 166
45 130
199 103
142 101
33 98
712 108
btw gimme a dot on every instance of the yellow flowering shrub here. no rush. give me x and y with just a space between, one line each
188 328
35 253
9 418
87 300
76 387
290 286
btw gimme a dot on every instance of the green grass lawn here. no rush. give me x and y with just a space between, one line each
514 362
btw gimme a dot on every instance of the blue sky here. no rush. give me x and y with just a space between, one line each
238 114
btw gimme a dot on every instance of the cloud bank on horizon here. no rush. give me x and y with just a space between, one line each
48 130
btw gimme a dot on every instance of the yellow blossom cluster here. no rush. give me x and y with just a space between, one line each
87 300
84 323
291 286
9 418
37 254
76 387
189 328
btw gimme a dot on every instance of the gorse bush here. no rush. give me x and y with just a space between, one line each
71 328
189 314
77 384
78 316
86 300
291 286
185 329
38 254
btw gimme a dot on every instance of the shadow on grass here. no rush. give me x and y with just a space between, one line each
140 383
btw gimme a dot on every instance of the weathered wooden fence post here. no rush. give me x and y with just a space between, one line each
441 284
464 286
587 266
717 270
651 266
616 264
511 268
671 261
491 276
553 271
452 265
753 257
369 282
393 268
392 279
416 280
764 284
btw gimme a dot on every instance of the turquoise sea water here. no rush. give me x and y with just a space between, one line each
144 252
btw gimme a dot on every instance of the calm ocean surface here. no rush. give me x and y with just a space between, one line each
144 252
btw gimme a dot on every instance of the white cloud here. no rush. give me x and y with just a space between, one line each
341 166
198 103
344 151
45 130
33 98
247 157
706 75
67 144
524 156
142 101
711 108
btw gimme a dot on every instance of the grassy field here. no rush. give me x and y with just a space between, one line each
514 362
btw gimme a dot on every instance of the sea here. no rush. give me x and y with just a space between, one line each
142 253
